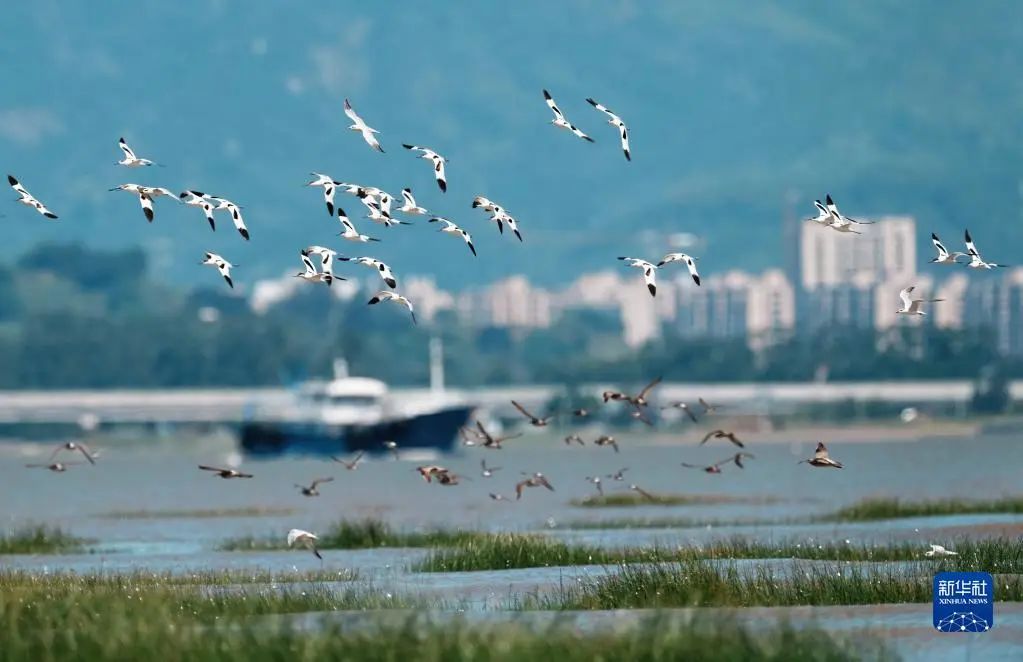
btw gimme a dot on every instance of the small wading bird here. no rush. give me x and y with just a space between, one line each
74 446
311 490
682 257
222 265
428 471
938 550
146 196
646 495
606 440
27 199
236 215
534 480
326 258
310 273
615 121
911 306
574 439
225 473
438 164
350 465
976 262
684 407
382 269
392 447
639 400
722 434
533 420
716 467
304 538
451 228
366 130
596 483
203 202
350 233
486 471
708 408
130 160
387 295
944 257
329 186
409 206
649 272
618 475
840 222
821 458
490 441
559 118
56 467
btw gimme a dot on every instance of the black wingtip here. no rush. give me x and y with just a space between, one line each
934 237
407 146
443 185
587 138
473 249
391 283
696 279
591 101
546 94
372 301
50 214
659 264
149 214
213 224
623 258
330 208
244 233
11 180
627 157
372 239
968 236
829 200
653 290
228 279
518 235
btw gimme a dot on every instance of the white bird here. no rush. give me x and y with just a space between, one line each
682 257
504 216
329 186
222 265
146 196
559 118
27 199
386 295
236 215
649 272
202 201
976 262
310 274
410 206
938 550
944 257
451 228
130 160
823 216
377 265
486 204
379 215
304 538
363 128
911 306
350 233
616 122
838 220
438 164
326 257
498 214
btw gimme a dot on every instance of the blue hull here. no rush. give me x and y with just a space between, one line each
437 431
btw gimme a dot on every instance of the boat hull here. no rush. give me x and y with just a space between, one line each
435 431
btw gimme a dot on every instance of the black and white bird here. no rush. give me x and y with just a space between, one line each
327 256
222 265
350 233
513 225
911 306
821 458
311 274
378 266
451 228
368 132
27 199
438 162
559 118
202 201
976 261
146 196
840 222
498 214
410 206
596 483
615 121
74 446
378 214
312 490
649 272
823 216
236 214
485 204
387 295
682 257
130 160
944 257
224 472
327 183
306 539
486 471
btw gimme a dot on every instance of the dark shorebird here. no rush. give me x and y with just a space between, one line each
638 401
646 495
821 458
350 465
311 490
580 413
574 439
716 467
618 475
74 446
428 471
684 407
225 473
722 434
490 441
533 420
534 480
606 440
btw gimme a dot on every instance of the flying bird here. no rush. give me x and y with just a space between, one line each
838 219
312 275
438 164
911 306
410 206
616 122
639 400
486 471
559 118
649 272
716 467
387 295
350 233
976 261
490 441
938 550
606 440
329 186
821 458
708 408
202 201
326 255
574 439
308 540
944 257
596 483
618 475
533 420
236 215
225 473
352 464
684 407
682 257
359 125
222 265
147 194
382 269
721 434
74 446
451 228
392 447
130 160
311 490
27 199
639 490
534 480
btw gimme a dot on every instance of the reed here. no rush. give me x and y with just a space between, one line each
66 580
39 539
891 508
360 534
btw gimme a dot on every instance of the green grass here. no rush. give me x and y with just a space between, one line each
627 499
889 508
360 534
18 579
704 584
506 551
200 513
37 539
666 523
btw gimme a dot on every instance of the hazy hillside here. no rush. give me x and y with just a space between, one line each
908 107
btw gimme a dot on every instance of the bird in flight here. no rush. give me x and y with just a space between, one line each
838 220
574 439
368 132
222 265
559 118
74 446
615 121
618 475
438 164
392 447
911 306
382 269
329 187
352 464
639 490
684 407
649 272
490 441
451 228
606 440
236 215
597 484
130 160
821 458
716 467
533 420
225 473
146 196
350 233
311 489
306 539
533 480
682 257
976 261
708 408
387 295
27 199
722 434
944 257
639 400
409 205
486 471
202 201
311 274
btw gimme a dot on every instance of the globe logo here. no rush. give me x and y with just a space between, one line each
965 621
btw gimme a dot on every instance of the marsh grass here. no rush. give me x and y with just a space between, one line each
507 551
39 539
667 523
67 580
628 499
891 508
704 584
199 513
360 534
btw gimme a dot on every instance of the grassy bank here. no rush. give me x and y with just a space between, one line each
360 534
627 499
887 508
40 540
